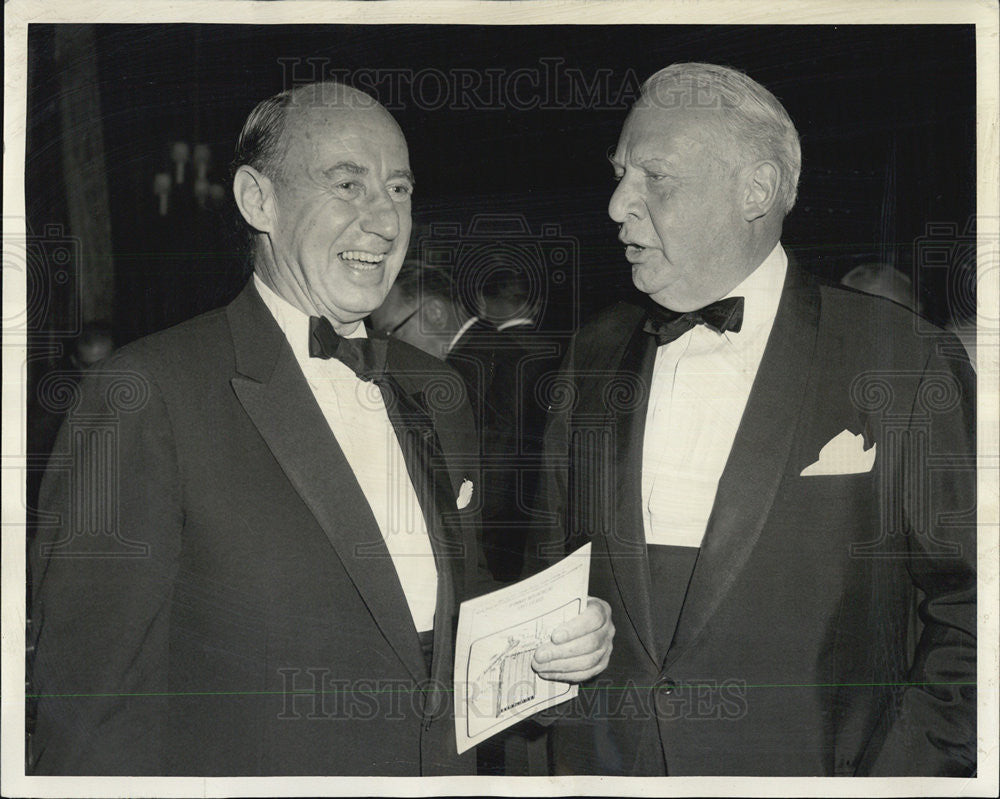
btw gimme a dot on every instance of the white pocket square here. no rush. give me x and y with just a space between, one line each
845 453
464 494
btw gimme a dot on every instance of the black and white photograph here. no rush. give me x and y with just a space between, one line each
500 398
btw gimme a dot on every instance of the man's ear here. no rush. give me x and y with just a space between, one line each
435 313
254 193
761 190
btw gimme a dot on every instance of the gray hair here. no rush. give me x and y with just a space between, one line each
753 118
261 142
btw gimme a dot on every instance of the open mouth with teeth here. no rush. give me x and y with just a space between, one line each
361 259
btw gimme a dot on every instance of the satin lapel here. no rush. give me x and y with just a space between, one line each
629 561
624 400
432 412
758 459
276 397
428 473
428 417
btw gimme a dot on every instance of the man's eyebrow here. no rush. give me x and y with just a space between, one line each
347 166
357 169
653 161
403 173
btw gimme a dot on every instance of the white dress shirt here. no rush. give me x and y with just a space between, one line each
699 389
356 414
521 321
461 332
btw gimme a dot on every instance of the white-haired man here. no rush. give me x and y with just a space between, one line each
777 476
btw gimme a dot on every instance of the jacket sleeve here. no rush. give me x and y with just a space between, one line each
932 729
103 565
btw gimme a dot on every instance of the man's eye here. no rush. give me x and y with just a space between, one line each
652 177
401 191
347 185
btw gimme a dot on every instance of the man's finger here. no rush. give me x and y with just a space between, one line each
576 647
570 664
593 618
575 671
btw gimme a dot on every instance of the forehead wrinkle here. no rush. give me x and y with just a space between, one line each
327 106
679 142
338 122
316 133
403 173
349 166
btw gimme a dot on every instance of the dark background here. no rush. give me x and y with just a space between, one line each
886 115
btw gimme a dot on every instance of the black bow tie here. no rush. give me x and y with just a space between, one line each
721 316
365 357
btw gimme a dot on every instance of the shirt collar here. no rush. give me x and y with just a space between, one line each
293 322
520 321
461 332
761 290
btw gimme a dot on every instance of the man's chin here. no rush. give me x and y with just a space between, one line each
647 282
349 310
667 298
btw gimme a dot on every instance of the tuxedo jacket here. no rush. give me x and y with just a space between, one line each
829 624
212 593
495 368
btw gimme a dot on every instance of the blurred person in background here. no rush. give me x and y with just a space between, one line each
883 280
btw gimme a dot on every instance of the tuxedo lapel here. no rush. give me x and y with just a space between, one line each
274 393
629 560
418 393
620 396
758 459
431 482
429 391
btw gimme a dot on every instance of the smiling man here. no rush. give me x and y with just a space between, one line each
260 523
777 477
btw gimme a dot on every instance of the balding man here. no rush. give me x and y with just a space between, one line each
255 564
777 476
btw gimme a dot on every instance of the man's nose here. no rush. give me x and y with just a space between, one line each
624 201
381 216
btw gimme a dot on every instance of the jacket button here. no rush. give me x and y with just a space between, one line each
666 686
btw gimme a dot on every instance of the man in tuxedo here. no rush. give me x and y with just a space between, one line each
260 521
425 309
511 297
777 476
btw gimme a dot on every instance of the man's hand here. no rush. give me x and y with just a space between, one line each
580 648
